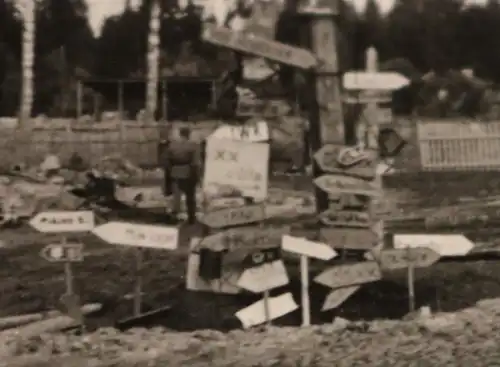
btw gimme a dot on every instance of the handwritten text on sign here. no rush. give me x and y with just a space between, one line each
138 235
241 165
77 221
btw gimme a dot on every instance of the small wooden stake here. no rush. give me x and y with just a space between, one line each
304 280
411 281
138 283
267 311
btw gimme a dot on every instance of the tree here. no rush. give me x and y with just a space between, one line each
64 42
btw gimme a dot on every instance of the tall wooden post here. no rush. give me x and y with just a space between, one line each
28 46
326 116
153 58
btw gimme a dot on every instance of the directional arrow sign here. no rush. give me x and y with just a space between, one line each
251 238
374 80
338 296
264 277
442 244
346 185
353 274
350 161
138 235
399 259
346 218
234 216
349 238
307 248
58 221
258 46
63 252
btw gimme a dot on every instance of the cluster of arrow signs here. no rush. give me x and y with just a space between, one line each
64 223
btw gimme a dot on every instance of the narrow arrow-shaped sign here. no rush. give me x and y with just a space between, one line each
250 238
374 80
349 238
63 221
420 257
345 218
259 46
138 235
352 274
443 244
234 216
307 248
338 296
336 184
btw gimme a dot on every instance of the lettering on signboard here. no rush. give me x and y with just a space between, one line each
238 238
346 218
348 238
70 220
234 216
242 165
345 184
141 237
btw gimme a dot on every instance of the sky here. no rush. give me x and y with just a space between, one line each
100 9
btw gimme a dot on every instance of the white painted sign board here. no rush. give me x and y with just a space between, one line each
307 248
255 314
252 133
237 164
138 235
443 244
264 277
364 80
63 221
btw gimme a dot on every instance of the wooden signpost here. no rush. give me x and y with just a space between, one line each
265 272
67 253
409 258
306 249
138 236
259 46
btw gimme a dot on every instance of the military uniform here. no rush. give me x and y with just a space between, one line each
181 164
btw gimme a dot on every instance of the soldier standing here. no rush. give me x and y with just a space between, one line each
182 161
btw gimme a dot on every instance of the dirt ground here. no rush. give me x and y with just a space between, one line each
28 283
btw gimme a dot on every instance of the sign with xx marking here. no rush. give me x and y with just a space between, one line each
237 164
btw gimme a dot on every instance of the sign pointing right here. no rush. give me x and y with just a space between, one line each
364 80
307 248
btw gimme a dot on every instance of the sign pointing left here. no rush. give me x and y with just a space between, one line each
60 222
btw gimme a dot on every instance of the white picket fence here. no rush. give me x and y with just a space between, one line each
459 145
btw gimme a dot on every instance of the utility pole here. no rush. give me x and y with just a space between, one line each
326 116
